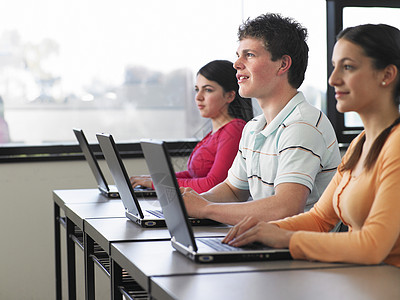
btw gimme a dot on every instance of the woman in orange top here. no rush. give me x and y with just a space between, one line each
365 192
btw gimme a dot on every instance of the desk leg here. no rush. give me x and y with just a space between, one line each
116 280
71 260
89 267
57 249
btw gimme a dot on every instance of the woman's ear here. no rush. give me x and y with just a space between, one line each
230 96
390 74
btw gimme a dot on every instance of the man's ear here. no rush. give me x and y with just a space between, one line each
286 62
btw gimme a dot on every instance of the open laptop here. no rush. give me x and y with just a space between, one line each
110 191
133 210
204 250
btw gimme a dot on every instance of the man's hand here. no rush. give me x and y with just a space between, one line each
195 203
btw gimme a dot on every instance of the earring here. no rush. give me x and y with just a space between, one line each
383 83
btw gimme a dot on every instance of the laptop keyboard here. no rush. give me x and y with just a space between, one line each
216 244
156 213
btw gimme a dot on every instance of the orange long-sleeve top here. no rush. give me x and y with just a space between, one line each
369 204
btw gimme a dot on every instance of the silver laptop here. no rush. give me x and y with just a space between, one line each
204 250
133 209
110 191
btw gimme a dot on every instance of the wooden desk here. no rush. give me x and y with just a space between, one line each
61 198
157 258
352 283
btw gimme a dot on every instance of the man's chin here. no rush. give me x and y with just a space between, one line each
244 94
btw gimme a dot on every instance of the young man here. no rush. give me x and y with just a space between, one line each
288 154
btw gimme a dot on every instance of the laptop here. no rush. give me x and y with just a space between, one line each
109 191
202 250
133 208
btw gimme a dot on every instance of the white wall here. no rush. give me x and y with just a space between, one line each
27 268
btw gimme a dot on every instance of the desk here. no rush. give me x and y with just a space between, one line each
101 222
146 260
61 198
98 236
147 256
105 232
352 283
75 215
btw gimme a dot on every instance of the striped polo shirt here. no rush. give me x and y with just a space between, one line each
298 146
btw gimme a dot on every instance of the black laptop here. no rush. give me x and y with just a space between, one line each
204 250
110 191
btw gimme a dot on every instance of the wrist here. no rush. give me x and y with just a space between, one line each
207 211
287 237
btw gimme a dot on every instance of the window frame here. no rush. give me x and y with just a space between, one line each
334 19
72 151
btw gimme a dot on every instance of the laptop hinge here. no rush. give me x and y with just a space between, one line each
180 245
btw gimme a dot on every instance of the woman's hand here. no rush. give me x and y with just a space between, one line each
142 180
251 230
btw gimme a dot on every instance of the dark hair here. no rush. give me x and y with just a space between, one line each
223 73
281 36
381 43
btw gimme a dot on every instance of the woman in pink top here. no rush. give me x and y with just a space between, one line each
365 192
217 98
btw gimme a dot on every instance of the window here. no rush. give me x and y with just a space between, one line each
342 14
125 67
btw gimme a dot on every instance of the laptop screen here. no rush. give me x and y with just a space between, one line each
167 188
119 173
91 159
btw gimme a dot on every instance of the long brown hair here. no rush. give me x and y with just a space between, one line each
373 152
